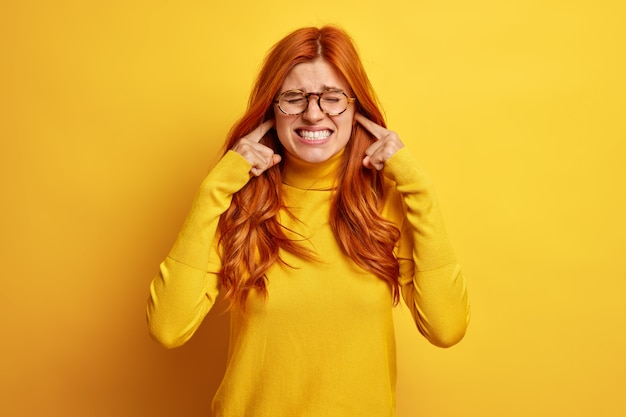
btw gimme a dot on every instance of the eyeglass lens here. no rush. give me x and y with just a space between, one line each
332 102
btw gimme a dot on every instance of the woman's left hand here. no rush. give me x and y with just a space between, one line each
386 146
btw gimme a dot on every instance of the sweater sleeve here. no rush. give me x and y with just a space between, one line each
187 285
431 281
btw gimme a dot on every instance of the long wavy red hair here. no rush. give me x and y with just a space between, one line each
250 235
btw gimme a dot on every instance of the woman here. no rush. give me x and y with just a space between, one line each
314 223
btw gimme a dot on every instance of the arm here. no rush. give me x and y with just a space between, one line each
430 278
431 281
187 285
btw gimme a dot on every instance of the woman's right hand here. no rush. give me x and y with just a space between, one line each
258 155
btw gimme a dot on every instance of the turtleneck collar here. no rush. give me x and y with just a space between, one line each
311 176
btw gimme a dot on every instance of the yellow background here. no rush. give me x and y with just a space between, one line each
112 112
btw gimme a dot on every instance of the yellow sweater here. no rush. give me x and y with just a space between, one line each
322 343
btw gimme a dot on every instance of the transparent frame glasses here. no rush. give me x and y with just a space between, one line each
324 99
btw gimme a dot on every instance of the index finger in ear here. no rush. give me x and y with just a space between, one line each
375 129
257 134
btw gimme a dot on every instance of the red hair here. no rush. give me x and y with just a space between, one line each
250 233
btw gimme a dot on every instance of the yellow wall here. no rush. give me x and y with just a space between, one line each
112 112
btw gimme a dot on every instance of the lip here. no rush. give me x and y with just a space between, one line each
313 129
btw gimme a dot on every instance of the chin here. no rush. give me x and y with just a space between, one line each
314 157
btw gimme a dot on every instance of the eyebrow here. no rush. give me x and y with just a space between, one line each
324 88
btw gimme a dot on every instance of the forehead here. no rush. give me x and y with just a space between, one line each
314 76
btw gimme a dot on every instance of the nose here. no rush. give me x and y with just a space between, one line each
313 113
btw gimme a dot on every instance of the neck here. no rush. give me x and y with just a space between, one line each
311 176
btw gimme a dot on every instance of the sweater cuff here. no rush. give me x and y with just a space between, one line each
404 169
232 169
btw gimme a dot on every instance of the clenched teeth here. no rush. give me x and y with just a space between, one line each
314 134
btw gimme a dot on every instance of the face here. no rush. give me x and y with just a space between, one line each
313 136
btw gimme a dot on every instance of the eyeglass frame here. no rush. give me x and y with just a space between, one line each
308 101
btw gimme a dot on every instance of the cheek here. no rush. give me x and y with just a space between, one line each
345 128
284 133
282 128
